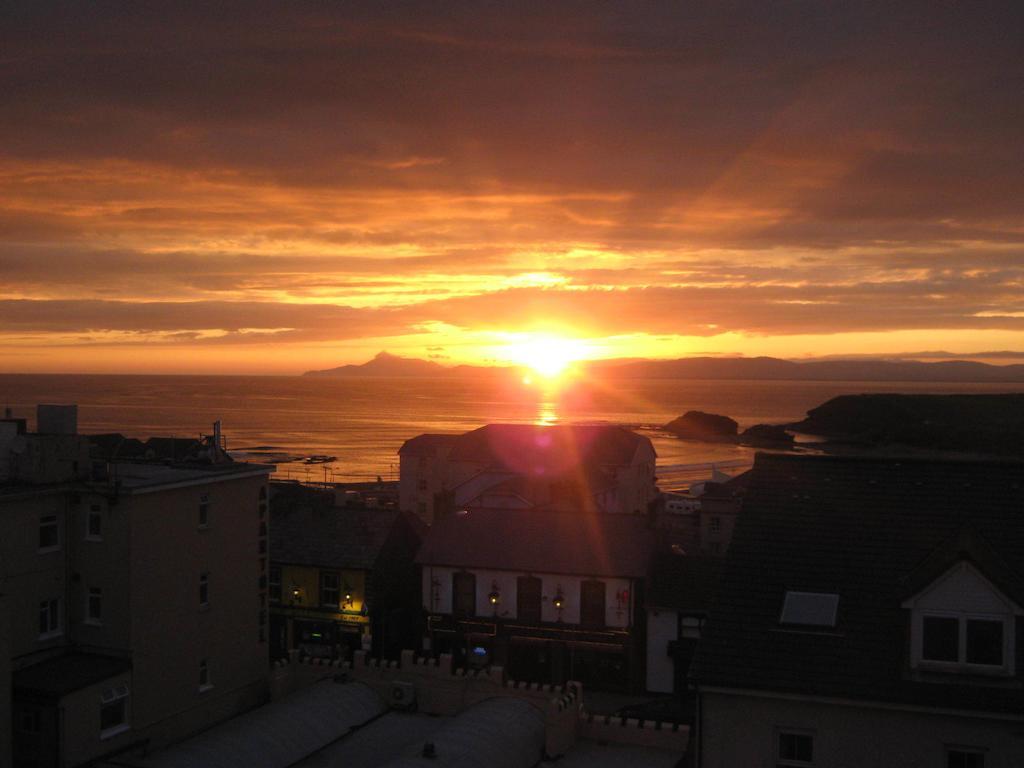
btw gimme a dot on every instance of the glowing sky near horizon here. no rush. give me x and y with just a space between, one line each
270 188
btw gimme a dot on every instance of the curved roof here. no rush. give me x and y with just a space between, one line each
499 733
280 733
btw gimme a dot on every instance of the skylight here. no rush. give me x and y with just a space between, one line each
810 609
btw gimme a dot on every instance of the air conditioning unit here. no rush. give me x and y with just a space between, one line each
403 696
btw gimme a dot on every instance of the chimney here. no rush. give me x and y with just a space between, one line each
216 433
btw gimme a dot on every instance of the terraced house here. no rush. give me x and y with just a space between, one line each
870 614
342 578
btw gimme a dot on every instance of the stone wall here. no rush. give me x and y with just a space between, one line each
442 690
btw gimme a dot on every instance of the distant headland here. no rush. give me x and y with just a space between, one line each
386 365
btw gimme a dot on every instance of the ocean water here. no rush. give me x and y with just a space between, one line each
363 422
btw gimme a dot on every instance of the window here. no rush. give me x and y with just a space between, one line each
114 711
940 638
28 721
204 676
263 547
810 609
715 524
964 757
421 508
94 606
49 533
592 604
528 589
330 589
204 590
795 749
464 594
275 583
49 618
963 640
94 523
263 502
204 511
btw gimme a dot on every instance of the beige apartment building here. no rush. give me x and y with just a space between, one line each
136 594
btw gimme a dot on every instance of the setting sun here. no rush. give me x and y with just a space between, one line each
548 356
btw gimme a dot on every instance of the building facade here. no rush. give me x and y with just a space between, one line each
137 599
342 578
550 596
869 614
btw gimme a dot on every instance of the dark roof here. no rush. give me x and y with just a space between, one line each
427 443
684 582
569 491
71 672
734 488
307 529
538 541
862 528
533 449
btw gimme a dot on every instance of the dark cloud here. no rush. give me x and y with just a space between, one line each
748 166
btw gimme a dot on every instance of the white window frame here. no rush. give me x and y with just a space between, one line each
337 590
962 665
965 750
1007 613
204 676
204 511
56 527
778 760
54 607
112 696
95 621
94 511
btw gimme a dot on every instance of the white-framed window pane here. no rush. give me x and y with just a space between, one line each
94 604
984 642
330 589
796 749
49 532
940 638
204 510
965 758
49 617
94 523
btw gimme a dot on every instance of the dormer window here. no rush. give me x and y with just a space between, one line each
963 640
962 624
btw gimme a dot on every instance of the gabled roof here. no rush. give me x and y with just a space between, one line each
307 529
536 541
533 449
966 545
860 528
731 489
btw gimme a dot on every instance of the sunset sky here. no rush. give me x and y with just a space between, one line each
250 188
